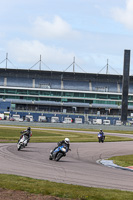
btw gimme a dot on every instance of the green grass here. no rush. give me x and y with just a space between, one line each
124 161
35 186
10 134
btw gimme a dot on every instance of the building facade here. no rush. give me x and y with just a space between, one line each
65 92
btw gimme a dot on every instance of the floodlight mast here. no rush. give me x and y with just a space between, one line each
73 64
107 69
40 63
6 59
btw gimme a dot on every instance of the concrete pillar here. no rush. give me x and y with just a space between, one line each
125 86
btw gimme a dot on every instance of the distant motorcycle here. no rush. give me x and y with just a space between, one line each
58 153
22 143
101 138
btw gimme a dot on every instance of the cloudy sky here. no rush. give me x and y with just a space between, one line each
91 31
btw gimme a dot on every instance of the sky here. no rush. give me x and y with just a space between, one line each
66 35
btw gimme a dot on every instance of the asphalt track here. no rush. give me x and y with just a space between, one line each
79 167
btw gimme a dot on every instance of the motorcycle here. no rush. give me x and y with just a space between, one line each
58 153
101 138
22 143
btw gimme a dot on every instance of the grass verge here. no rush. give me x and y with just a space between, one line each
11 134
124 161
35 186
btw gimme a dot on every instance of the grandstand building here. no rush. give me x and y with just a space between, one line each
62 92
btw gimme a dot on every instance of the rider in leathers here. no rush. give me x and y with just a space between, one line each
102 133
26 132
64 143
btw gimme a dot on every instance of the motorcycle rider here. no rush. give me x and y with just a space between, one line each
101 133
26 132
65 143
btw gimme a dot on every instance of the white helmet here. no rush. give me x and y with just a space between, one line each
67 140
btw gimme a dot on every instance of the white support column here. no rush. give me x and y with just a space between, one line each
33 82
5 81
90 86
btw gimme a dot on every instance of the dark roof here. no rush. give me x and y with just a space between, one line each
60 75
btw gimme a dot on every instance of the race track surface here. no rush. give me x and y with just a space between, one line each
79 167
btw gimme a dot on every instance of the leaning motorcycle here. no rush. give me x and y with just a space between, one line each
58 153
22 143
101 138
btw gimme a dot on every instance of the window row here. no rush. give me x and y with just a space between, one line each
62 94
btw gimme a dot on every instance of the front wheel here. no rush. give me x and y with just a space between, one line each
59 156
19 147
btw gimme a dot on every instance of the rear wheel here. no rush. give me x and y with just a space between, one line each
50 157
59 156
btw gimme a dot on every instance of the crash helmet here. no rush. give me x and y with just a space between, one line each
101 130
67 140
28 129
